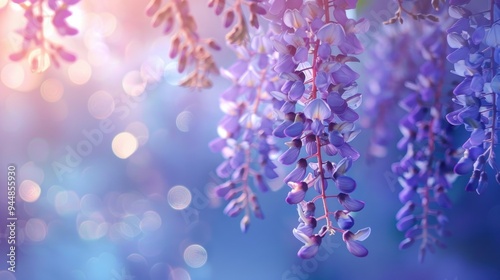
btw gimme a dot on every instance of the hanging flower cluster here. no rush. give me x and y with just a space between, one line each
42 51
245 132
426 171
475 38
294 82
394 49
186 44
315 42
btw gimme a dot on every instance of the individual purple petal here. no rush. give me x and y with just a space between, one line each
483 183
345 75
321 80
336 138
458 54
298 173
285 64
291 155
295 129
324 51
442 219
261 183
473 181
347 151
245 223
406 243
463 166
477 137
310 249
233 208
224 169
349 115
413 232
362 234
296 91
345 184
298 192
406 222
311 147
223 189
279 131
406 194
331 33
317 109
492 38
349 203
406 210
301 55
353 246
342 166
344 220
337 103
293 19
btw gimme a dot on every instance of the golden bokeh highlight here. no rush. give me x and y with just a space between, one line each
51 90
79 72
12 75
101 104
29 191
3 3
124 145
133 83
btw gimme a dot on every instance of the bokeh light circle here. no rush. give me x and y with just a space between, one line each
133 84
12 75
195 256
184 120
101 104
80 72
124 145
51 90
36 229
179 274
29 191
150 221
179 197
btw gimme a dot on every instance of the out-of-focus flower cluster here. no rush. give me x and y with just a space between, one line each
186 44
245 132
394 59
235 17
417 10
42 51
426 171
475 38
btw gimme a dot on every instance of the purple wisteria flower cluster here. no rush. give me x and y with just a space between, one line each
417 10
394 49
426 171
42 51
475 38
186 44
315 42
245 132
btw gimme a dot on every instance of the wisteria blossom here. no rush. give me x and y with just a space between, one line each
475 43
41 50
